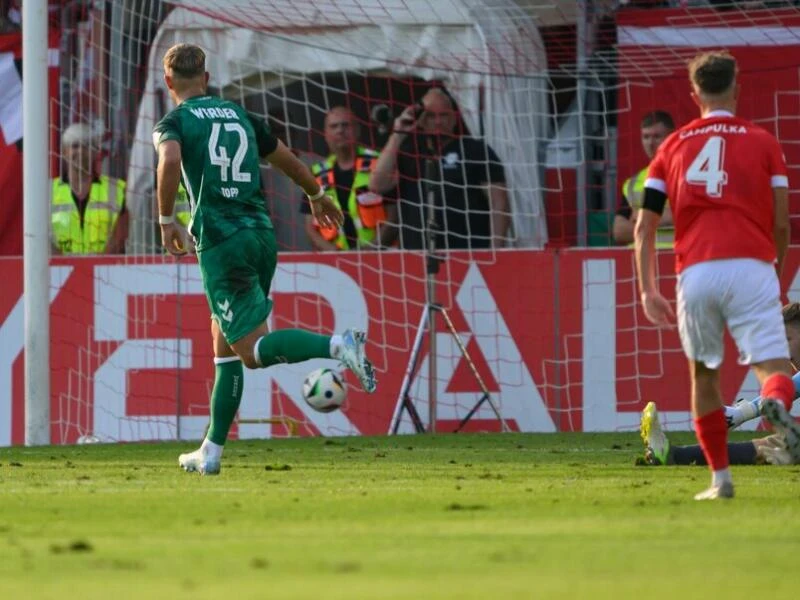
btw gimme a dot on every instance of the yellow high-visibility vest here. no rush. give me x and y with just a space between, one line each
365 208
106 199
183 210
633 191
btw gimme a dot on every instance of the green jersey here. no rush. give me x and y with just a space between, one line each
221 146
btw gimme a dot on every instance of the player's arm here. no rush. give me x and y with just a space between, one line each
168 177
781 229
666 218
274 151
656 307
644 238
323 208
295 169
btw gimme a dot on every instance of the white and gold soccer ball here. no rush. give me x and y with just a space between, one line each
324 390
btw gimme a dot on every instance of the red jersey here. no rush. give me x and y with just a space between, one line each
718 173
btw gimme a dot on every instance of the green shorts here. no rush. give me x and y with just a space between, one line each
237 274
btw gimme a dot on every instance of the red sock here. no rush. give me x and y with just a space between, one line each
712 433
779 386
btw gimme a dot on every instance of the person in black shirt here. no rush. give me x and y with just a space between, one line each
468 180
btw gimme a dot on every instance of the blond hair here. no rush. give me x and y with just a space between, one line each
185 61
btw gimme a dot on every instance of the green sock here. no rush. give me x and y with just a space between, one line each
225 397
292 346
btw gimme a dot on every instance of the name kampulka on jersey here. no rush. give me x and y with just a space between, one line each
715 128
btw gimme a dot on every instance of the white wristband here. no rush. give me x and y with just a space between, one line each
318 196
162 220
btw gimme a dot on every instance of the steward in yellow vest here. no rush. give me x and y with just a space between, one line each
633 193
86 226
365 209
655 126
87 212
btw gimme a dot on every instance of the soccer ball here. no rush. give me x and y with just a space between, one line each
324 390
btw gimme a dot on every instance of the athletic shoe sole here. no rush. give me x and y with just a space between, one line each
363 368
780 419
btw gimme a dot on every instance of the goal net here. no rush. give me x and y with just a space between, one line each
552 326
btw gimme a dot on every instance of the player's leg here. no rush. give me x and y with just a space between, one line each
756 324
226 396
739 453
659 451
259 348
742 411
747 410
298 345
700 293
711 429
777 393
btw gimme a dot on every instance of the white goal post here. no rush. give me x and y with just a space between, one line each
36 219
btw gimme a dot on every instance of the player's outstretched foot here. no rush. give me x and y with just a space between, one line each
723 490
656 444
783 423
198 461
747 410
353 354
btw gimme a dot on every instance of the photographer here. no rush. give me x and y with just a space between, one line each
472 203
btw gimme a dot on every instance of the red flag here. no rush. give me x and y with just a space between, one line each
11 136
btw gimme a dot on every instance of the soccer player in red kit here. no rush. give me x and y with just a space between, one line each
727 184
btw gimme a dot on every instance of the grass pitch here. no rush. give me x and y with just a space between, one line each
451 516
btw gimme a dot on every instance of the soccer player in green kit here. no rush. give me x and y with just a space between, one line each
217 147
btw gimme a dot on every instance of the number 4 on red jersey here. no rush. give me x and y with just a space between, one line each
718 173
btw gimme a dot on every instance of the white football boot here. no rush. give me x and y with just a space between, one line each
199 461
715 492
352 354
741 412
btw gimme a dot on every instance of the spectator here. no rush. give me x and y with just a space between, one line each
655 127
472 209
183 216
345 175
88 213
